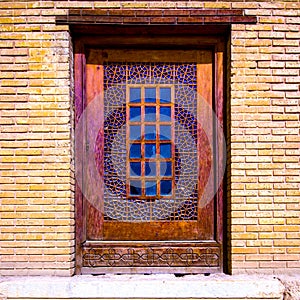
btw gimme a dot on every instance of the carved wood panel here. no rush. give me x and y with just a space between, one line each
176 225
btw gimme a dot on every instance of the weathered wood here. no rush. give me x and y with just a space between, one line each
152 231
204 136
108 236
79 226
220 107
95 92
140 255
149 16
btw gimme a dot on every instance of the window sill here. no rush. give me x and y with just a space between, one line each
216 286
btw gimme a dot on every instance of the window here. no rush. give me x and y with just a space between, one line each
150 166
151 109
142 210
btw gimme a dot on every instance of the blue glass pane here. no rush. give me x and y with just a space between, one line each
165 150
150 188
165 113
166 187
150 95
150 168
165 132
165 95
150 150
135 132
150 132
150 113
166 168
135 151
135 95
135 114
135 188
135 169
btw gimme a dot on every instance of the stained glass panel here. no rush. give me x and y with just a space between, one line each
135 113
150 113
165 95
135 151
165 113
150 141
135 95
150 150
150 95
150 168
150 132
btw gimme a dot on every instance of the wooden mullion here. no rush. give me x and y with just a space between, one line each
128 143
157 142
142 105
172 121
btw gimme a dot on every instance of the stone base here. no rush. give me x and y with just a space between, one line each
142 287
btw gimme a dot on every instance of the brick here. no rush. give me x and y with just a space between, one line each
286 43
244 250
273 221
244 236
158 20
261 228
217 5
273 20
259 257
36 147
272 235
286 243
272 265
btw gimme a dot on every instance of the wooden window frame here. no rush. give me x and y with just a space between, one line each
82 46
157 160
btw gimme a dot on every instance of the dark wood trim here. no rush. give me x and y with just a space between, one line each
79 62
179 257
219 110
150 42
143 30
82 44
154 16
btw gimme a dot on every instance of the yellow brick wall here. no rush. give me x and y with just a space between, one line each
265 139
37 182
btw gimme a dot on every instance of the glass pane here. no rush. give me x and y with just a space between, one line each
165 95
166 187
150 150
165 132
135 151
135 95
135 188
150 132
150 168
135 169
135 132
150 188
150 113
166 168
135 114
165 150
165 113
150 95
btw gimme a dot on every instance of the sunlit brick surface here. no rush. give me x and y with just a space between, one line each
36 139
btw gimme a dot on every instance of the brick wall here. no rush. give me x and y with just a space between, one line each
37 198
265 138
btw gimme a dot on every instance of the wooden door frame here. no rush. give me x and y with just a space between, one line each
81 45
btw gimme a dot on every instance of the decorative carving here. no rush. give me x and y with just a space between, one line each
183 205
151 257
